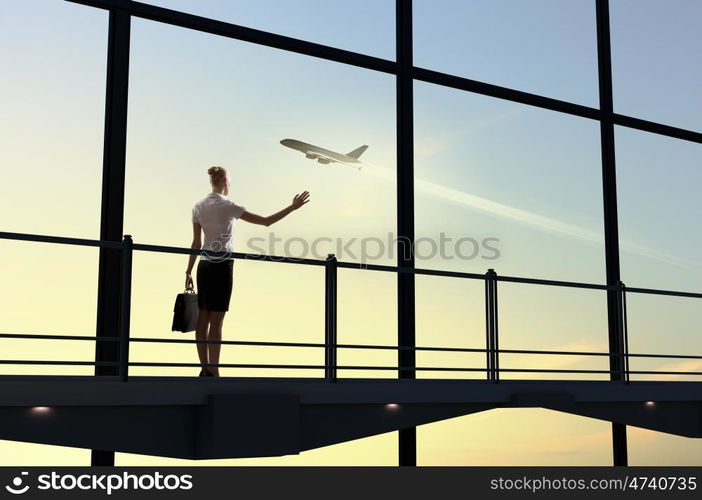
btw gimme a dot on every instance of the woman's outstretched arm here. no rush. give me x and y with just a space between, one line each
196 244
298 201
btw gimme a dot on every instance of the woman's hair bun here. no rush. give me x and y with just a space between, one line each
217 175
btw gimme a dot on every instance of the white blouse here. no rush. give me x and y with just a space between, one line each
216 214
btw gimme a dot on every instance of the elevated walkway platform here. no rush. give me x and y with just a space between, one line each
203 418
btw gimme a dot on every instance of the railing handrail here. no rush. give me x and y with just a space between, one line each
261 343
617 372
340 367
339 264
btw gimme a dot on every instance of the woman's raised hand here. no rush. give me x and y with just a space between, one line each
300 199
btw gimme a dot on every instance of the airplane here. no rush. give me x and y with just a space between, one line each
325 156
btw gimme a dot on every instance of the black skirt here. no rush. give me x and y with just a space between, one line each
214 284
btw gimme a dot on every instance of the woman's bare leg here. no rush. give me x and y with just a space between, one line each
203 323
215 333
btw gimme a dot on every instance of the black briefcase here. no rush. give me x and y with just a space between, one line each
185 312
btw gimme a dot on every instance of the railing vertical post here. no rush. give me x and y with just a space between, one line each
491 327
488 328
623 332
495 328
330 318
125 306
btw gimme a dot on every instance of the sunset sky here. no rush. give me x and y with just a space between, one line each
484 168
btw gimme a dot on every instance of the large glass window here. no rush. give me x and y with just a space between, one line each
498 185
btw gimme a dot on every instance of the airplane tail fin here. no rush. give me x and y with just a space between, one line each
356 153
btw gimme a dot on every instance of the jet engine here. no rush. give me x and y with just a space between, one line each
311 156
322 160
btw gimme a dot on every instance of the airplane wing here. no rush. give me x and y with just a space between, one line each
321 158
324 159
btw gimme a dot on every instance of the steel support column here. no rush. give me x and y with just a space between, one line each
112 208
611 231
407 446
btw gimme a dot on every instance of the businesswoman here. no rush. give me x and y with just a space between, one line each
215 216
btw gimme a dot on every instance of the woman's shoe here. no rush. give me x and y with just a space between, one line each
204 373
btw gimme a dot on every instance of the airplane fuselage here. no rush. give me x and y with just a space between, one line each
320 154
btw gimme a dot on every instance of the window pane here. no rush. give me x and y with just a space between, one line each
506 186
546 47
188 112
364 26
658 181
52 61
656 74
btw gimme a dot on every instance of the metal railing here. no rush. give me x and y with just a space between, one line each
330 345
